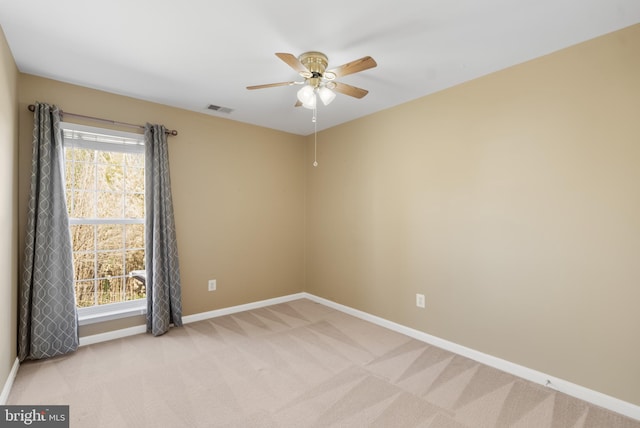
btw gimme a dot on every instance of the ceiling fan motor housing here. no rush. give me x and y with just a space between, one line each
316 63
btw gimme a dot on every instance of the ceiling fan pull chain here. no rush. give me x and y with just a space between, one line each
315 138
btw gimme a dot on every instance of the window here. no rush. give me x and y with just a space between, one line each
104 176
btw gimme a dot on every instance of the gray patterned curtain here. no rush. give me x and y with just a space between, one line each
48 323
164 304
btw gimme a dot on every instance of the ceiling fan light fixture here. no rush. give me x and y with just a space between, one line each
305 94
311 103
326 95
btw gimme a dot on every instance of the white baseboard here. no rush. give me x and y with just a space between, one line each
112 335
240 308
569 388
131 331
9 383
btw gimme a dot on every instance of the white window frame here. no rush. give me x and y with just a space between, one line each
129 143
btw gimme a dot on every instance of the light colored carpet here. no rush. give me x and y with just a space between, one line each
297 364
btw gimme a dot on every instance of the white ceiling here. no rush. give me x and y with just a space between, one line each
192 53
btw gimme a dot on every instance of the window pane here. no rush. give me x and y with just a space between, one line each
135 179
135 289
85 293
82 204
110 178
134 159
110 236
110 205
134 261
134 236
83 237
85 155
80 155
69 174
110 290
68 201
110 157
118 289
134 205
84 265
110 263
80 175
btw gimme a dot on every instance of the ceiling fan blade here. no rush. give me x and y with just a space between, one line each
352 91
297 104
273 85
356 66
294 63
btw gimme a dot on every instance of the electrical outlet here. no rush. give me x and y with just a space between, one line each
420 300
212 285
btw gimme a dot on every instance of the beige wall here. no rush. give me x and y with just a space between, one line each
512 202
238 195
8 211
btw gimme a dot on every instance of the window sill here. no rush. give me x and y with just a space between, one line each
111 311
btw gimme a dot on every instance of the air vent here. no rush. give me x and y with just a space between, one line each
219 108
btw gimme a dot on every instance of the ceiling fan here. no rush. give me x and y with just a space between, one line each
312 66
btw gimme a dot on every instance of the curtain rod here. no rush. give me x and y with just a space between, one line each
172 132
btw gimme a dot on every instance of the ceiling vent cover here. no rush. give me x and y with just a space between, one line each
219 108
